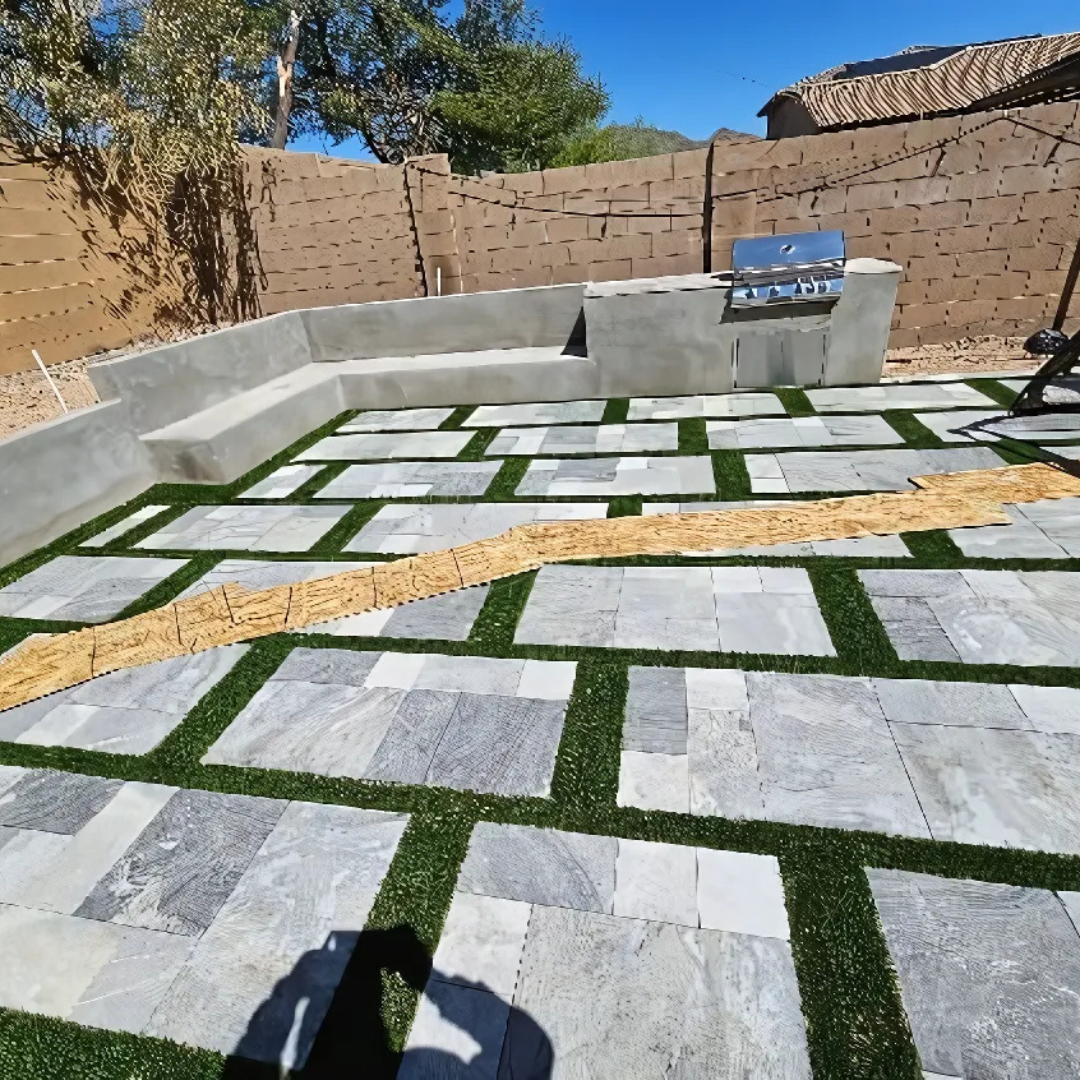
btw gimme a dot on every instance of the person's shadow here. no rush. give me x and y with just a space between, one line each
344 981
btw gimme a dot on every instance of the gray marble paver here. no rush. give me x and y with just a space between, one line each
860 470
283 936
189 915
371 446
929 395
144 513
411 480
537 412
282 483
695 405
717 609
247 528
1037 428
869 547
125 712
971 762
92 588
586 439
410 528
442 618
618 476
1049 529
979 616
397 420
989 975
800 431
537 965
470 723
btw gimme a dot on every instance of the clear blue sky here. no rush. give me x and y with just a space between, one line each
697 65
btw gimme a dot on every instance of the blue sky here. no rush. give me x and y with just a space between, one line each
697 65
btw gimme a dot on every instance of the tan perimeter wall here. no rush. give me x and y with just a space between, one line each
982 212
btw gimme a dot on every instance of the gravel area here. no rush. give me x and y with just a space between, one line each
969 356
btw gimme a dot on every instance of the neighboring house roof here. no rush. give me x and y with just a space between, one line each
928 79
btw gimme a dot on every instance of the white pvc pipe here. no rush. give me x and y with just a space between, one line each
438 281
48 379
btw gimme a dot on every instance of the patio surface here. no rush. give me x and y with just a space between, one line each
788 812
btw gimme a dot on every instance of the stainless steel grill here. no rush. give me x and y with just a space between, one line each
787 269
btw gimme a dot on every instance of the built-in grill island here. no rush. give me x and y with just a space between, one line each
793 311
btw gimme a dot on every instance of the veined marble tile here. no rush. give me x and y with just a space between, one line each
540 866
374 447
283 936
55 802
618 476
411 528
411 480
688 407
92 588
482 942
627 997
125 712
282 483
56 872
585 439
652 781
397 420
88 972
929 395
657 882
247 528
741 893
180 870
144 513
800 432
989 974
537 412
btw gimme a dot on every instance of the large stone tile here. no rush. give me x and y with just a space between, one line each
541 866
991 786
88 972
482 942
83 589
55 802
656 881
257 574
964 704
1022 539
990 975
801 431
411 480
276 951
180 870
114 532
410 528
378 447
626 998
586 439
652 781
457 722
656 711
537 412
687 407
56 872
862 470
126 712
618 476
282 483
928 395
826 756
397 420
741 893
992 425
247 528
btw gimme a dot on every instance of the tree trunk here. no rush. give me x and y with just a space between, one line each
285 64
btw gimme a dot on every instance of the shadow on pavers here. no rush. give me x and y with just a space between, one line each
352 1042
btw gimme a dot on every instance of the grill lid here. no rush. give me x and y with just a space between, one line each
792 267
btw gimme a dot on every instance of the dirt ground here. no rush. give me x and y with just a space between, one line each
26 399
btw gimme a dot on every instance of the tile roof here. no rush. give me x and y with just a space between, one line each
926 80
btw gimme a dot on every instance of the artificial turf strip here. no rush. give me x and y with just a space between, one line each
504 485
856 632
475 447
934 547
616 411
693 438
732 479
625 506
916 435
994 390
458 417
795 401
498 619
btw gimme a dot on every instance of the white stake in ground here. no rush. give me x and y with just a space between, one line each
48 379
